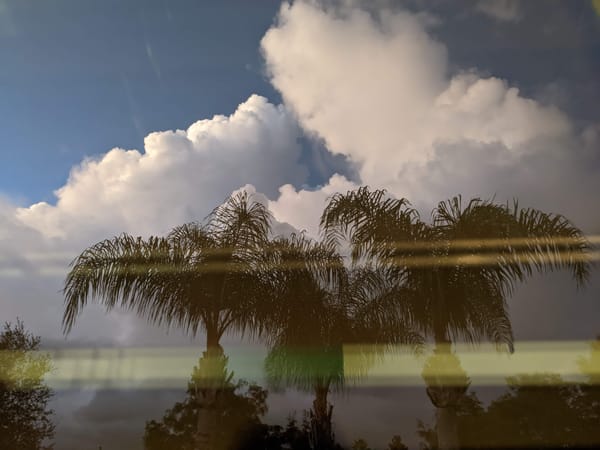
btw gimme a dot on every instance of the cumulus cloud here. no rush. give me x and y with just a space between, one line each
377 88
178 177
336 71
303 207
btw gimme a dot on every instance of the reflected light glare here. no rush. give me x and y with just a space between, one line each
159 368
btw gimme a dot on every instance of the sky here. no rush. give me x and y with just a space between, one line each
131 116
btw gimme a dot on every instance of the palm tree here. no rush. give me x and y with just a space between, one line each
197 277
458 270
200 276
318 307
306 324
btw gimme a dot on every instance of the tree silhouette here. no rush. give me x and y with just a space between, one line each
458 270
24 415
396 443
537 411
308 324
446 383
318 306
232 414
360 444
469 412
197 277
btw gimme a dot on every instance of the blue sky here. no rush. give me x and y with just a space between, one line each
81 77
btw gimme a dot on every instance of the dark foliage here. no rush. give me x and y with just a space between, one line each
198 277
234 412
234 416
24 415
537 411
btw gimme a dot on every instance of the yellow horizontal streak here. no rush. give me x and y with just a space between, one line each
411 261
155 368
484 259
469 257
495 242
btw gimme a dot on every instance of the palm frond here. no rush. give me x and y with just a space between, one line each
553 243
133 273
240 223
453 276
370 219
196 276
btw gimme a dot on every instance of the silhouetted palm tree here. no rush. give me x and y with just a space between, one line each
197 277
318 306
307 323
459 269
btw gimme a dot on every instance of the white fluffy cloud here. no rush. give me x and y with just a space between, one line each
344 76
378 90
178 177
302 208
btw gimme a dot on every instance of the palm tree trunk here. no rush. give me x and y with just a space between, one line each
211 373
447 428
321 428
213 345
205 422
444 398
